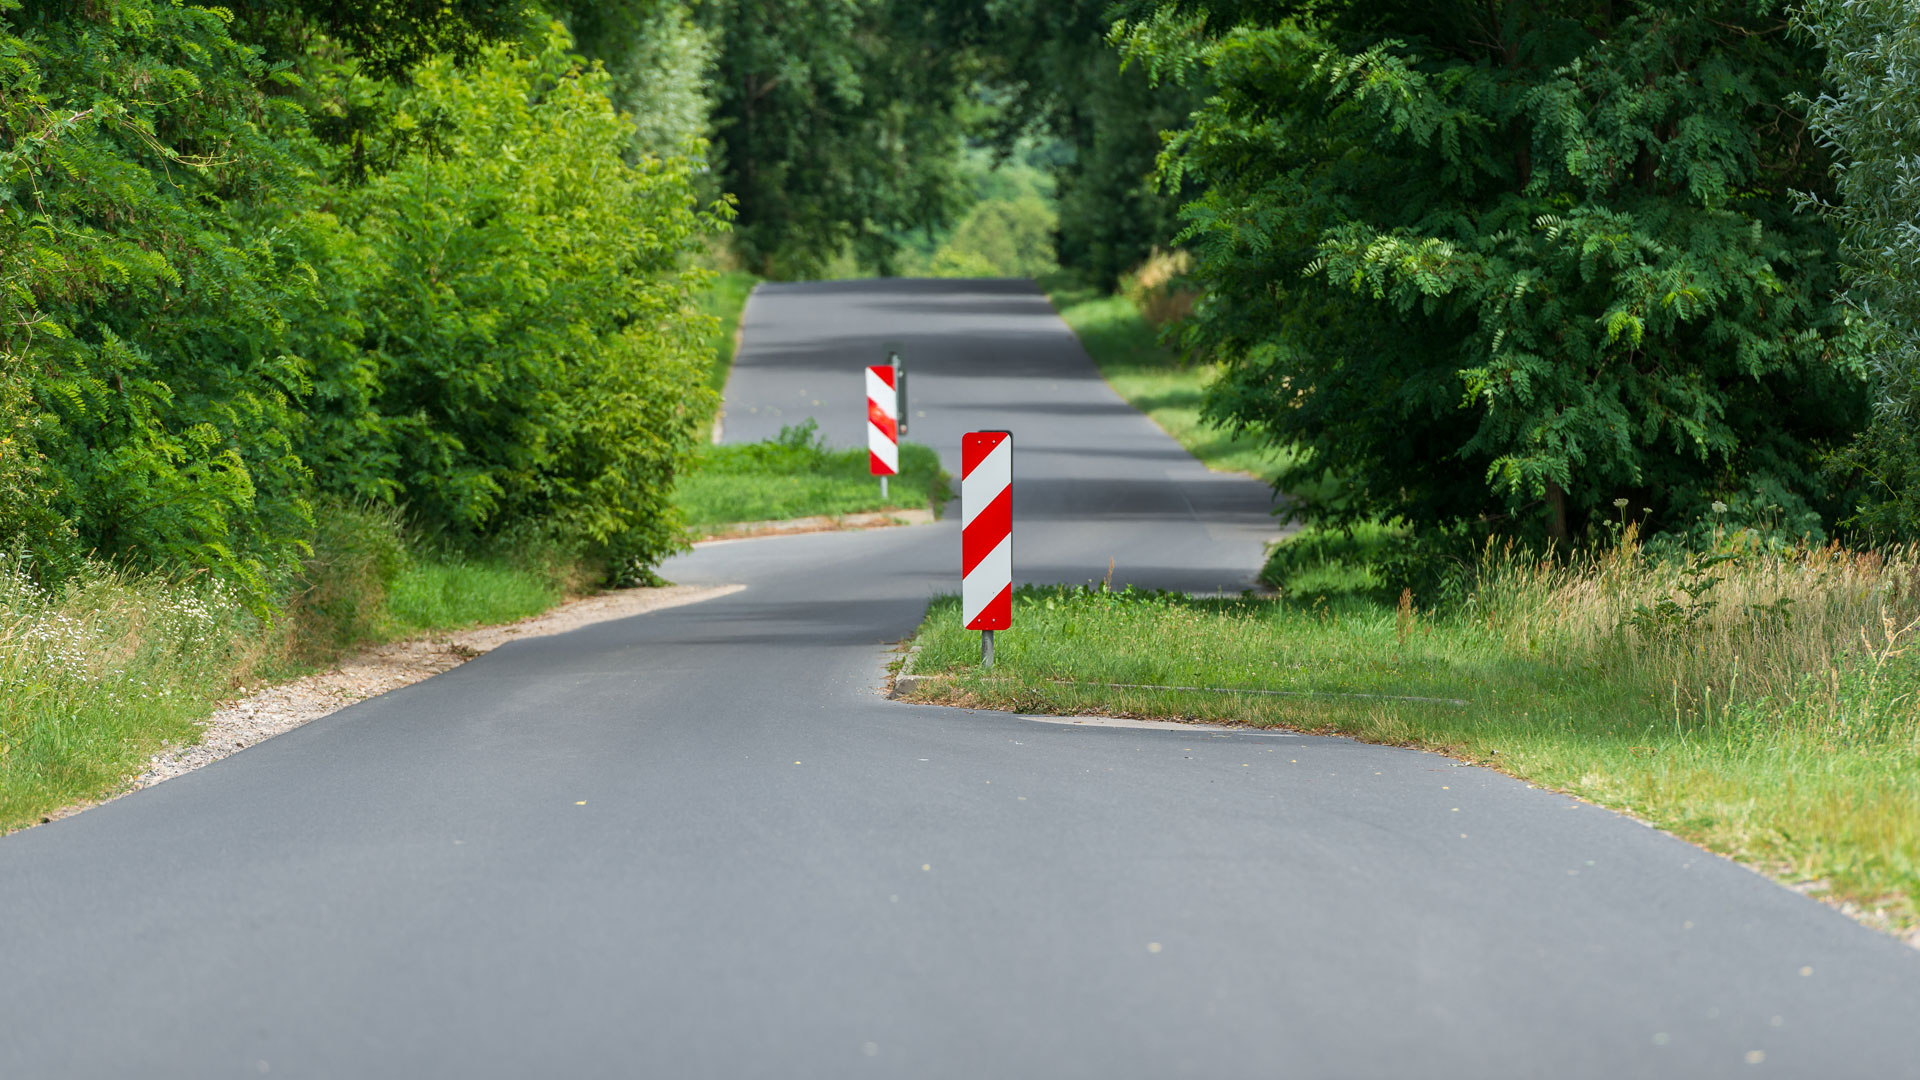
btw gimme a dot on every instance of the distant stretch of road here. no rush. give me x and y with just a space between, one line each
699 843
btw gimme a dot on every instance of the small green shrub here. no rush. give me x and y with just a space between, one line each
340 597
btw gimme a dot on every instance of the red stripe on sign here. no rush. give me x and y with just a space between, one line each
986 530
884 371
975 447
876 467
888 425
997 615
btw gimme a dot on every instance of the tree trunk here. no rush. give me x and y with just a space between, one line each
1557 507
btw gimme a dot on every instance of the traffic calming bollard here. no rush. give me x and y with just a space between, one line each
883 439
986 535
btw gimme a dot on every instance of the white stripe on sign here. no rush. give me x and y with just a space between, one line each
986 530
883 438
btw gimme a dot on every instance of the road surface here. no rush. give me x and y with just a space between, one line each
698 843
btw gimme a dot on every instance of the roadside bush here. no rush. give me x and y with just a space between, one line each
145 258
1868 115
537 353
1011 237
340 597
1159 287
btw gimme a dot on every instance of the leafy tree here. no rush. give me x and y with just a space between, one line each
386 37
1500 266
836 124
661 60
523 341
1870 117
149 249
464 297
1000 238
1058 79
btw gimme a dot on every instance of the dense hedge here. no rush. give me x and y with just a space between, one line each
1521 276
465 300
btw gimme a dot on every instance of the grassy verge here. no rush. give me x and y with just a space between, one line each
1773 715
1126 349
796 475
726 303
98 675
456 593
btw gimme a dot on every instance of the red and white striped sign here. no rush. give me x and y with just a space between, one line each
986 529
883 426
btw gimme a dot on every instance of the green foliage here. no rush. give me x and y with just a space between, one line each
340 595
1870 117
528 347
1498 272
997 238
1063 84
474 306
389 37
150 240
797 475
661 60
836 125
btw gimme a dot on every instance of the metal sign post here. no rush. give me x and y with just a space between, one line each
883 440
986 535
897 360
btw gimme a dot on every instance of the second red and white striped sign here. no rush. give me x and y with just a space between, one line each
883 426
986 530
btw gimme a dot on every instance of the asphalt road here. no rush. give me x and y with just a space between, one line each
697 843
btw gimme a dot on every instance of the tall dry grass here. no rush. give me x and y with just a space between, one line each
1158 287
1721 631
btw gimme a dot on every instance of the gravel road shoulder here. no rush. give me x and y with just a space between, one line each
271 710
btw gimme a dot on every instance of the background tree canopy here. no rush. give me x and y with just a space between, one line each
396 252
1504 266
1522 268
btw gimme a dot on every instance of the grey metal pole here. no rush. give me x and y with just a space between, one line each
883 487
986 648
899 387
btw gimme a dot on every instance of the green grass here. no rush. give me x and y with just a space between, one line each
96 677
726 302
455 593
796 475
1126 348
1792 743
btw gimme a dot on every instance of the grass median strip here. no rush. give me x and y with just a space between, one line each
1775 719
796 475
